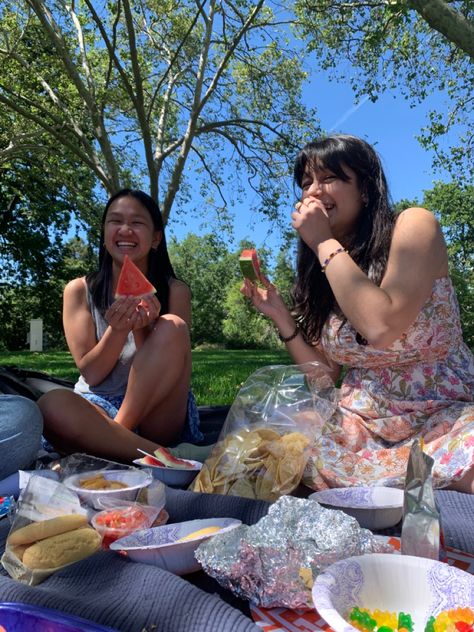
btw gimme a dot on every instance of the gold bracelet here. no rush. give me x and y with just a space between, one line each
331 256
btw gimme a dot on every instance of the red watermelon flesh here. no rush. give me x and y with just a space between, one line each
132 281
173 461
249 264
150 460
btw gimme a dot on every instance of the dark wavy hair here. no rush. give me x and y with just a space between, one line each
313 298
159 270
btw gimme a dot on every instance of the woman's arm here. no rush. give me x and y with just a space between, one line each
417 257
180 300
268 301
94 359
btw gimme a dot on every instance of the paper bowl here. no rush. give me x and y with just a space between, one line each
159 546
393 583
174 477
373 507
135 479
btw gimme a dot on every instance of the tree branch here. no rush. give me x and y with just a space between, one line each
444 19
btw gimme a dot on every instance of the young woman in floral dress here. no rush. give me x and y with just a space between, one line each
373 295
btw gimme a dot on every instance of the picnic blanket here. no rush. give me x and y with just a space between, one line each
132 597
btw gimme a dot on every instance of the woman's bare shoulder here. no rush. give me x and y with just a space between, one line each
76 288
179 287
416 215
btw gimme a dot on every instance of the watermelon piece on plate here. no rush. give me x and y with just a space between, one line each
249 264
151 460
132 281
169 460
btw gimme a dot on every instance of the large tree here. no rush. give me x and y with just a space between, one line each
161 93
416 46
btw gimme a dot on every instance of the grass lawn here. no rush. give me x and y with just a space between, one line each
217 374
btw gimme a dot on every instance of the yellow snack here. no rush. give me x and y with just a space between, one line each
257 463
199 533
46 528
62 549
100 482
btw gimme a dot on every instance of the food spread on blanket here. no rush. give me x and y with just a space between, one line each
98 481
454 620
258 463
273 562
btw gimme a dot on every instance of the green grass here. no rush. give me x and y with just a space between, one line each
217 374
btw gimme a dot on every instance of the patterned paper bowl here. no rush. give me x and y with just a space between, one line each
393 583
373 507
165 547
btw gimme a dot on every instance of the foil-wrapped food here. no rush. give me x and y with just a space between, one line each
274 562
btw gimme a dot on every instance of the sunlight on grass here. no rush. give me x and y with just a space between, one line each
217 375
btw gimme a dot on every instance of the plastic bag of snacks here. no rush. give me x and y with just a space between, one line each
264 444
49 531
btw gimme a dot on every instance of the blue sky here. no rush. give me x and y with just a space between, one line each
389 124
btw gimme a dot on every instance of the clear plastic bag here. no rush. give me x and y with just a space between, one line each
264 444
40 502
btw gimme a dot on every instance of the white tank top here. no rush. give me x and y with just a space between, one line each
115 383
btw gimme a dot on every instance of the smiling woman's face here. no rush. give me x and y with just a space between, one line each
342 199
129 230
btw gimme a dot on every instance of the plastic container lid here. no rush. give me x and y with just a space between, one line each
18 617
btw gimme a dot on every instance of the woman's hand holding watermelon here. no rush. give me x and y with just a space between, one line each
131 313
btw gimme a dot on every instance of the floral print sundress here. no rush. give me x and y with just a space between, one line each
420 386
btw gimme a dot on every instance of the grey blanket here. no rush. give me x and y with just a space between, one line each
133 597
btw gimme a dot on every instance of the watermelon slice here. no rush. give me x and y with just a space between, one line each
132 281
150 460
169 460
249 264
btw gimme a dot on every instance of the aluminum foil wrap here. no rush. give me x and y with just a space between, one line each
274 562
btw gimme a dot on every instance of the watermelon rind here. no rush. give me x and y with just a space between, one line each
248 269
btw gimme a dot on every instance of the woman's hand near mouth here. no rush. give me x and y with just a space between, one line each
311 221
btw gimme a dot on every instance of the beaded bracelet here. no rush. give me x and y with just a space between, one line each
291 336
331 256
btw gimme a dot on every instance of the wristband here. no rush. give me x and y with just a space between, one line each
331 256
291 336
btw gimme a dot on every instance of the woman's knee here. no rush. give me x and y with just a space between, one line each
56 406
171 330
20 414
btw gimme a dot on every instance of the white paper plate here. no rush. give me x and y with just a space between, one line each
394 583
159 546
174 477
373 507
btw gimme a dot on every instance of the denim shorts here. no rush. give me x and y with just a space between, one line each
111 404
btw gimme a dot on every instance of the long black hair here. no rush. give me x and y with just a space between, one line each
313 298
159 270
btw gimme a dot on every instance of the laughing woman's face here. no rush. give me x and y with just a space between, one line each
342 199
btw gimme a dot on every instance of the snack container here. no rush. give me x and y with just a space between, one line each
133 478
417 586
118 522
19 617
172 546
373 507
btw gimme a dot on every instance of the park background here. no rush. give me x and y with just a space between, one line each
204 105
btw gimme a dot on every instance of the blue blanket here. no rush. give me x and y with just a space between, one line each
131 597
